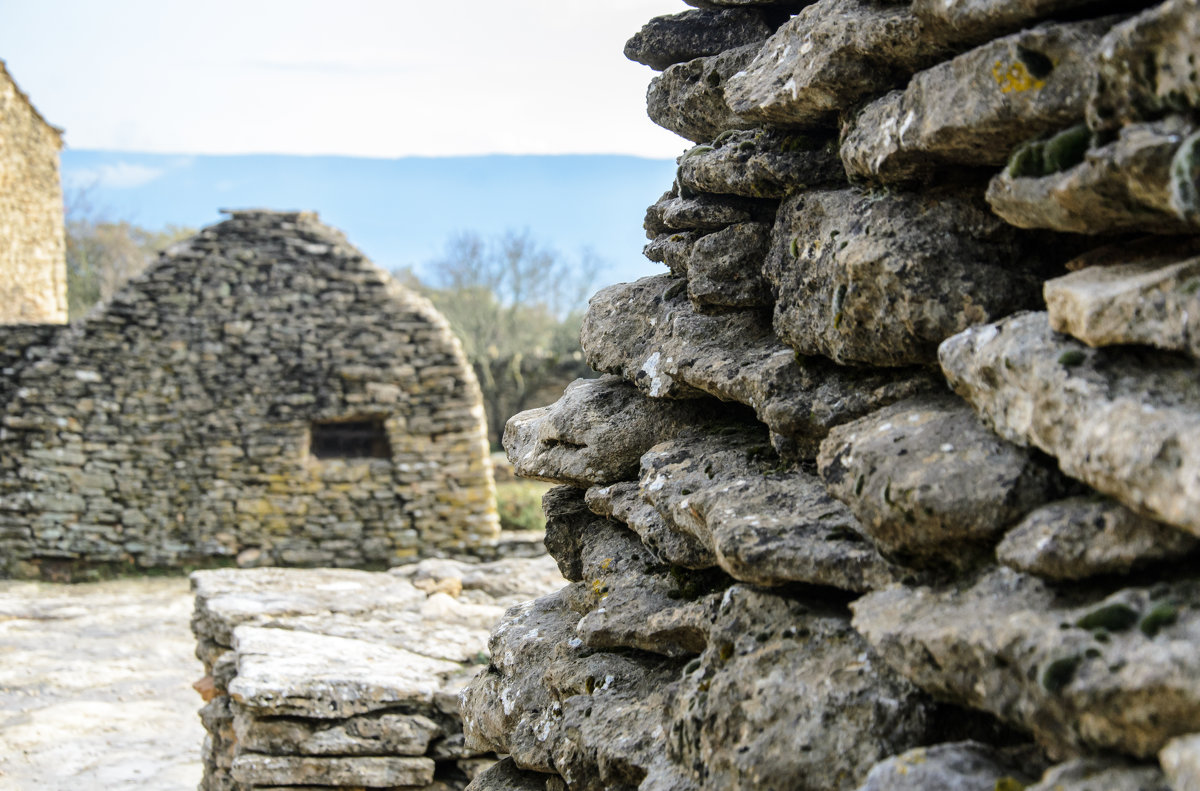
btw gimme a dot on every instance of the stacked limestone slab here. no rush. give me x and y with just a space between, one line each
340 679
893 479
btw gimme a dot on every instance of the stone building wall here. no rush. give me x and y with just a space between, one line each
33 268
893 482
261 395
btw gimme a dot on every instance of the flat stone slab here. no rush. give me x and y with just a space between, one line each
650 334
1147 302
595 433
766 523
881 280
385 733
827 57
689 98
1129 184
624 502
761 163
667 40
376 772
1102 774
931 484
505 775
1087 536
974 109
287 673
1126 422
1081 670
980 20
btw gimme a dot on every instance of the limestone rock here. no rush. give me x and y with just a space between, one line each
1141 303
385 733
1087 536
567 516
958 766
974 109
505 775
287 673
787 695
765 525
667 40
760 163
724 268
1125 422
503 582
595 433
703 212
787 5
1101 774
1145 67
634 602
827 57
883 279
926 480
649 333
1080 670
624 502
689 98
379 772
672 249
1141 181
1180 761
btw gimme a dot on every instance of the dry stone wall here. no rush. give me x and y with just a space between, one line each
892 482
33 264
261 395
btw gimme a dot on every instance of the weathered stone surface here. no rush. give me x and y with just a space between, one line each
1086 536
501 583
1101 774
724 268
1180 761
761 163
649 333
595 433
634 602
667 40
689 98
1141 303
703 212
1142 181
378 772
1080 670
929 483
567 516
1125 422
287 673
958 766
787 5
827 57
505 775
882 279
794 699
974 109
979 20
765 525
379 734
672 249
1145 67
624 502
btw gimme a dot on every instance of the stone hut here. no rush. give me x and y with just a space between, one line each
33 264
261 395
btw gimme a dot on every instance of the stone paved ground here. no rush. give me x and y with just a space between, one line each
95 687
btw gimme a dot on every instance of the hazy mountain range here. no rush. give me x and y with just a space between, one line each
398 211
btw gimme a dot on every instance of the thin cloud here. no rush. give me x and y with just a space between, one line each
119 175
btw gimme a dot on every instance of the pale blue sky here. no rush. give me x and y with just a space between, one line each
352 77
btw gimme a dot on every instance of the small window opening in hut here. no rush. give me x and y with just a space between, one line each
363 438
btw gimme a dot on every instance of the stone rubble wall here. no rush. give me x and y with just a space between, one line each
33 262
346 679
171 426
893 480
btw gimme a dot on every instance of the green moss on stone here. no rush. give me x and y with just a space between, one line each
1071 357
1163 614
1059 673
1113 617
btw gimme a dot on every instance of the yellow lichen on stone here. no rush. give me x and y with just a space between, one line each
1015 78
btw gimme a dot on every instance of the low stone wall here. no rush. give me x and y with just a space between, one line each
893 482
261 395
343 679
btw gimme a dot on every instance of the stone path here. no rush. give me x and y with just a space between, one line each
95 686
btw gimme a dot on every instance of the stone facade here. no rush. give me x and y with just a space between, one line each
33 264
261 395
894 480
